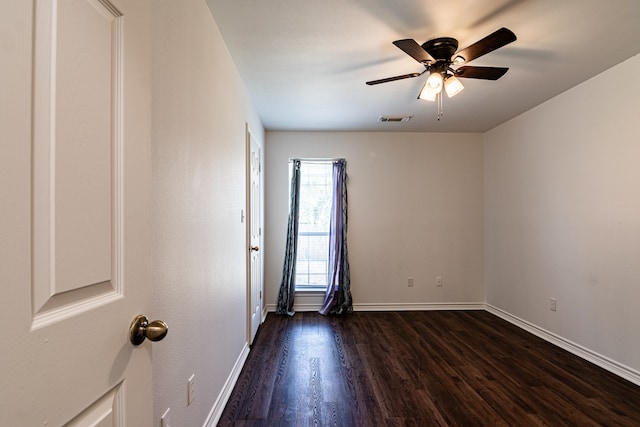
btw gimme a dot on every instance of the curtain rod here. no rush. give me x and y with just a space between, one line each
317 160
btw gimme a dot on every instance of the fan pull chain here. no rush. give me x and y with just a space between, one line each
439 102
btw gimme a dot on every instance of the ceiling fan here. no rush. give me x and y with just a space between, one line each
440 55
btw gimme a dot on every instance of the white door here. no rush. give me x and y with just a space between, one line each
74 212
255 236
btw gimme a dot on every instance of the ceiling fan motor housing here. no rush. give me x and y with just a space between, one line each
441 49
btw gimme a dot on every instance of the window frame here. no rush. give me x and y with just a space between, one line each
312 288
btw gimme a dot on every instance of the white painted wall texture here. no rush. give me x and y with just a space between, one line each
199 114
562 215
415 210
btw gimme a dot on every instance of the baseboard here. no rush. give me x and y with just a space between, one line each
271 308
393 307
584 353
223 397
420 306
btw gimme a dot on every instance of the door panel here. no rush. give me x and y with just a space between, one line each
75 212
76 170
103 413
79 145
255 237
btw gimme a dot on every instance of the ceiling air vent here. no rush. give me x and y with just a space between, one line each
394 119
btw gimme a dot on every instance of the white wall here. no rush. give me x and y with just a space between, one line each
415 209
562 215
199 114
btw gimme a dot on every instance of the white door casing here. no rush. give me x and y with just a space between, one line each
254 231
75 258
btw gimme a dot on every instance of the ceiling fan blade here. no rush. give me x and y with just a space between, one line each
493 41
391 79
414 50
485 73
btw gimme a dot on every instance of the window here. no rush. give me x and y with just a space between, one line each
318 235
316 190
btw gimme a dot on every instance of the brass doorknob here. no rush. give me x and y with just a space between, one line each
255 248
141 328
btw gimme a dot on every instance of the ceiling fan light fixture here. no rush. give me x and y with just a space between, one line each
453 86
439 55
427 94
434 82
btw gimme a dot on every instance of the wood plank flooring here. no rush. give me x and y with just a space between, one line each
430 368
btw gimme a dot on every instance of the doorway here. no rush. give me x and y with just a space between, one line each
254 236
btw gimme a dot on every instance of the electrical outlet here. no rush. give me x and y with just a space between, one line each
410 282
438 281
552 304
191 389
165 421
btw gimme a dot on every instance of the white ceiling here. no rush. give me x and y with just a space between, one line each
305 62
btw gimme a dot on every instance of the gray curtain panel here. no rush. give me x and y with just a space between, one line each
338 297
288 284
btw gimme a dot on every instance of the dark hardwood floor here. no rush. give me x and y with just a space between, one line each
457 368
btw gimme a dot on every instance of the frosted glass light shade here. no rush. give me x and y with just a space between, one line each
434 82
432 87
427 94
453 86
